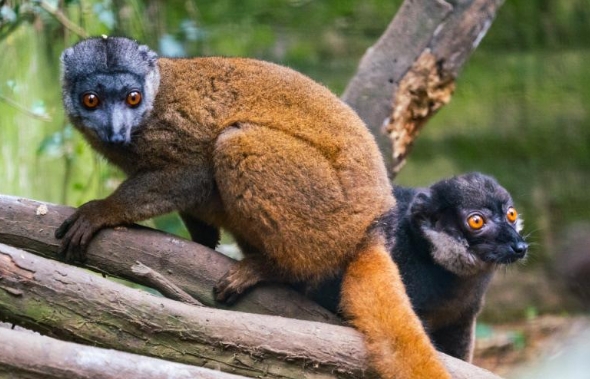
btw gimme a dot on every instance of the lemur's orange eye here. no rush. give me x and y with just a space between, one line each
511 214
90 100
133 98
475 221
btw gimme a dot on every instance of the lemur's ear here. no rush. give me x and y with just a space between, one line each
421 206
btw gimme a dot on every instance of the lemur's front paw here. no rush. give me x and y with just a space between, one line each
77 231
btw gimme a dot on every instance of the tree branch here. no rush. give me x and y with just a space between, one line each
69 303
164 286
410 72
62 300
62 19
28 355
14 104
192 267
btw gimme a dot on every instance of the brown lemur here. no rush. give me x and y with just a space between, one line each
447 240
260 150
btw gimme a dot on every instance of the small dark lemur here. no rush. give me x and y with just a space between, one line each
447 240
261 151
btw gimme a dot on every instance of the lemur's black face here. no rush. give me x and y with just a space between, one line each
491 230
471 222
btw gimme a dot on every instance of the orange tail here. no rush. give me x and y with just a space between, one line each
374 298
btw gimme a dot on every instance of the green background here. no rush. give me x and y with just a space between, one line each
519 113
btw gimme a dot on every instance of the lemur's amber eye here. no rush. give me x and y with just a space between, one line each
511 214
90 100
133 98
475 221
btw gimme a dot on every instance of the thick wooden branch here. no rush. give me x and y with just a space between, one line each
27 355
65 301
410 72
193 268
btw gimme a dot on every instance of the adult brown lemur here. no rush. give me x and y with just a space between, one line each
447 241
260 150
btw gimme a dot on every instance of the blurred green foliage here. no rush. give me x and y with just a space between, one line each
519 113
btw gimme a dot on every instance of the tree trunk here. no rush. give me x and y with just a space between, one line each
69 303
410 72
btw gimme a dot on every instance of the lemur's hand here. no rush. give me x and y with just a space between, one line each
77 231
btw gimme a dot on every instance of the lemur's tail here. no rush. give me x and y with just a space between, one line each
374 298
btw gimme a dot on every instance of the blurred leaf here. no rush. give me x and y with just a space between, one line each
532 313
518 340
170 47
53 3
483 330
105 14
39 108
7 14
11 84
52 146
57 144
191 31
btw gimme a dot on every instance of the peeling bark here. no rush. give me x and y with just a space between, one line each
422 30
423 90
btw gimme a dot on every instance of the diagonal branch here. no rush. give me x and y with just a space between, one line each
62 19
192 267
410 72
158 281
14 104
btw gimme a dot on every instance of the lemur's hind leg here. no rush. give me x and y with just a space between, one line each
243 276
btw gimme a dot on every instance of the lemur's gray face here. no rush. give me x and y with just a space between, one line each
109 86
471 222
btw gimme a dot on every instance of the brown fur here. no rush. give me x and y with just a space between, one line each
373 296
289 170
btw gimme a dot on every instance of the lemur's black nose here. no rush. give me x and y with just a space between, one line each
520 248
117 138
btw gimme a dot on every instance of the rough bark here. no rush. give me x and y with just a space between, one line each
156 280
410 72
31 356
195 269
65 301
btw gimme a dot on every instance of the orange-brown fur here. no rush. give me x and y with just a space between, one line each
290 171
373 296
